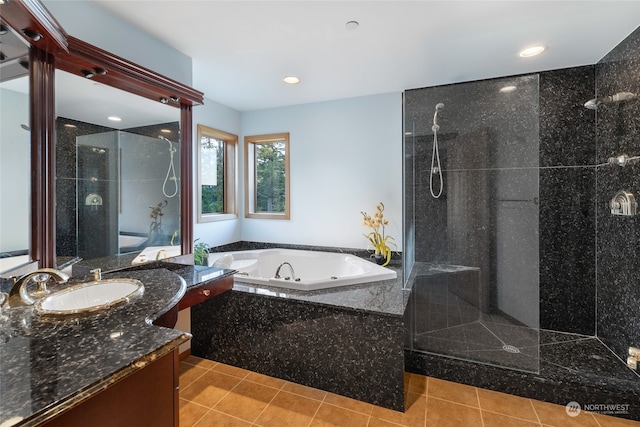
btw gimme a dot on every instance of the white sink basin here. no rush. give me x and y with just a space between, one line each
90 297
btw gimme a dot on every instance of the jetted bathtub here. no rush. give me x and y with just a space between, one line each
306 270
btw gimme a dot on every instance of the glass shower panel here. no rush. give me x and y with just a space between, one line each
476 290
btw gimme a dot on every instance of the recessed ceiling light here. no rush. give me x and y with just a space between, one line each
292 80
70 126
352 25
114 118
532 51
165 130
507 89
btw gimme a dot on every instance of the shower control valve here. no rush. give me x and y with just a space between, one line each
624 204
634 356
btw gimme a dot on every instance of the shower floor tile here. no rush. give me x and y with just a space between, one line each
428 402
501 344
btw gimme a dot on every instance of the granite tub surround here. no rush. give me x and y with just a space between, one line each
346 340
351 352
49 365
396 257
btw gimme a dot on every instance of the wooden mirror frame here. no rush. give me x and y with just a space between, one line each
55 49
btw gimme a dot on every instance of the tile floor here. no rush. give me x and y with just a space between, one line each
214 394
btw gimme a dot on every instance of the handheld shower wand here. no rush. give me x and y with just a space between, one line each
171 171
435 155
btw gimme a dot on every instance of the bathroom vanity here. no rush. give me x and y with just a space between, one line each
105 369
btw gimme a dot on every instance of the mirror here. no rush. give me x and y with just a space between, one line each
117 181
15 163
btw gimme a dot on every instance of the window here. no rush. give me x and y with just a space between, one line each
216 174
267 176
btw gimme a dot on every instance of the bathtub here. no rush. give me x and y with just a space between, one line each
129 240
313 270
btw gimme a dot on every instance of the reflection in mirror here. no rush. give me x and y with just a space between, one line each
15 163
117 181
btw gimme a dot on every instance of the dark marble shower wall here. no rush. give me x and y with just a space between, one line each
564 164
618 238
567 201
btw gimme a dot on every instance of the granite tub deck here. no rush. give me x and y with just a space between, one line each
48 366
567 368
347 341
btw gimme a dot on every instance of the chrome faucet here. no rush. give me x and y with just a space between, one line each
293 274
19 295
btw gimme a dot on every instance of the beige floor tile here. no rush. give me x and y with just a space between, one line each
200 362
414 414
556 415
608 421
333 416
218 419
348 403
303 390
506 404
265 380
189 373
190 413
453 392
288 410
442 413
231 370
377 422
247 400
417 383
492 419
210 388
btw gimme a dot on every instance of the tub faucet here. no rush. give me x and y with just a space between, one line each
19 293
293 274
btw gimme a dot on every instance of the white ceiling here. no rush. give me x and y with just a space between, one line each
241 50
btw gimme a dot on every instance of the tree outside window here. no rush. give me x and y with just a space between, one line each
216 174
267 176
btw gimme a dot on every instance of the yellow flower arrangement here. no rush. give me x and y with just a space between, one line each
377 239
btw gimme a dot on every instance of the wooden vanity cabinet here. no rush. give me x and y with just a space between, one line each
204 291
148 397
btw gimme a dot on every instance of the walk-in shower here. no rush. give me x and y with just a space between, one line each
473 297
502 258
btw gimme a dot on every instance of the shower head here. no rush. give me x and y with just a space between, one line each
435 127
165 139
593 104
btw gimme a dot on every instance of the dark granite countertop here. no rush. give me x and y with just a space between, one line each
193 275
48 365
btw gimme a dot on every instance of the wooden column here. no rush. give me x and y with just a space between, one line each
186 178
43 157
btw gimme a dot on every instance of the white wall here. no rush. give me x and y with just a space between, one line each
15 173
94 24
216 116
346 156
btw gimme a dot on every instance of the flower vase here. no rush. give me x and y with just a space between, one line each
378 258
